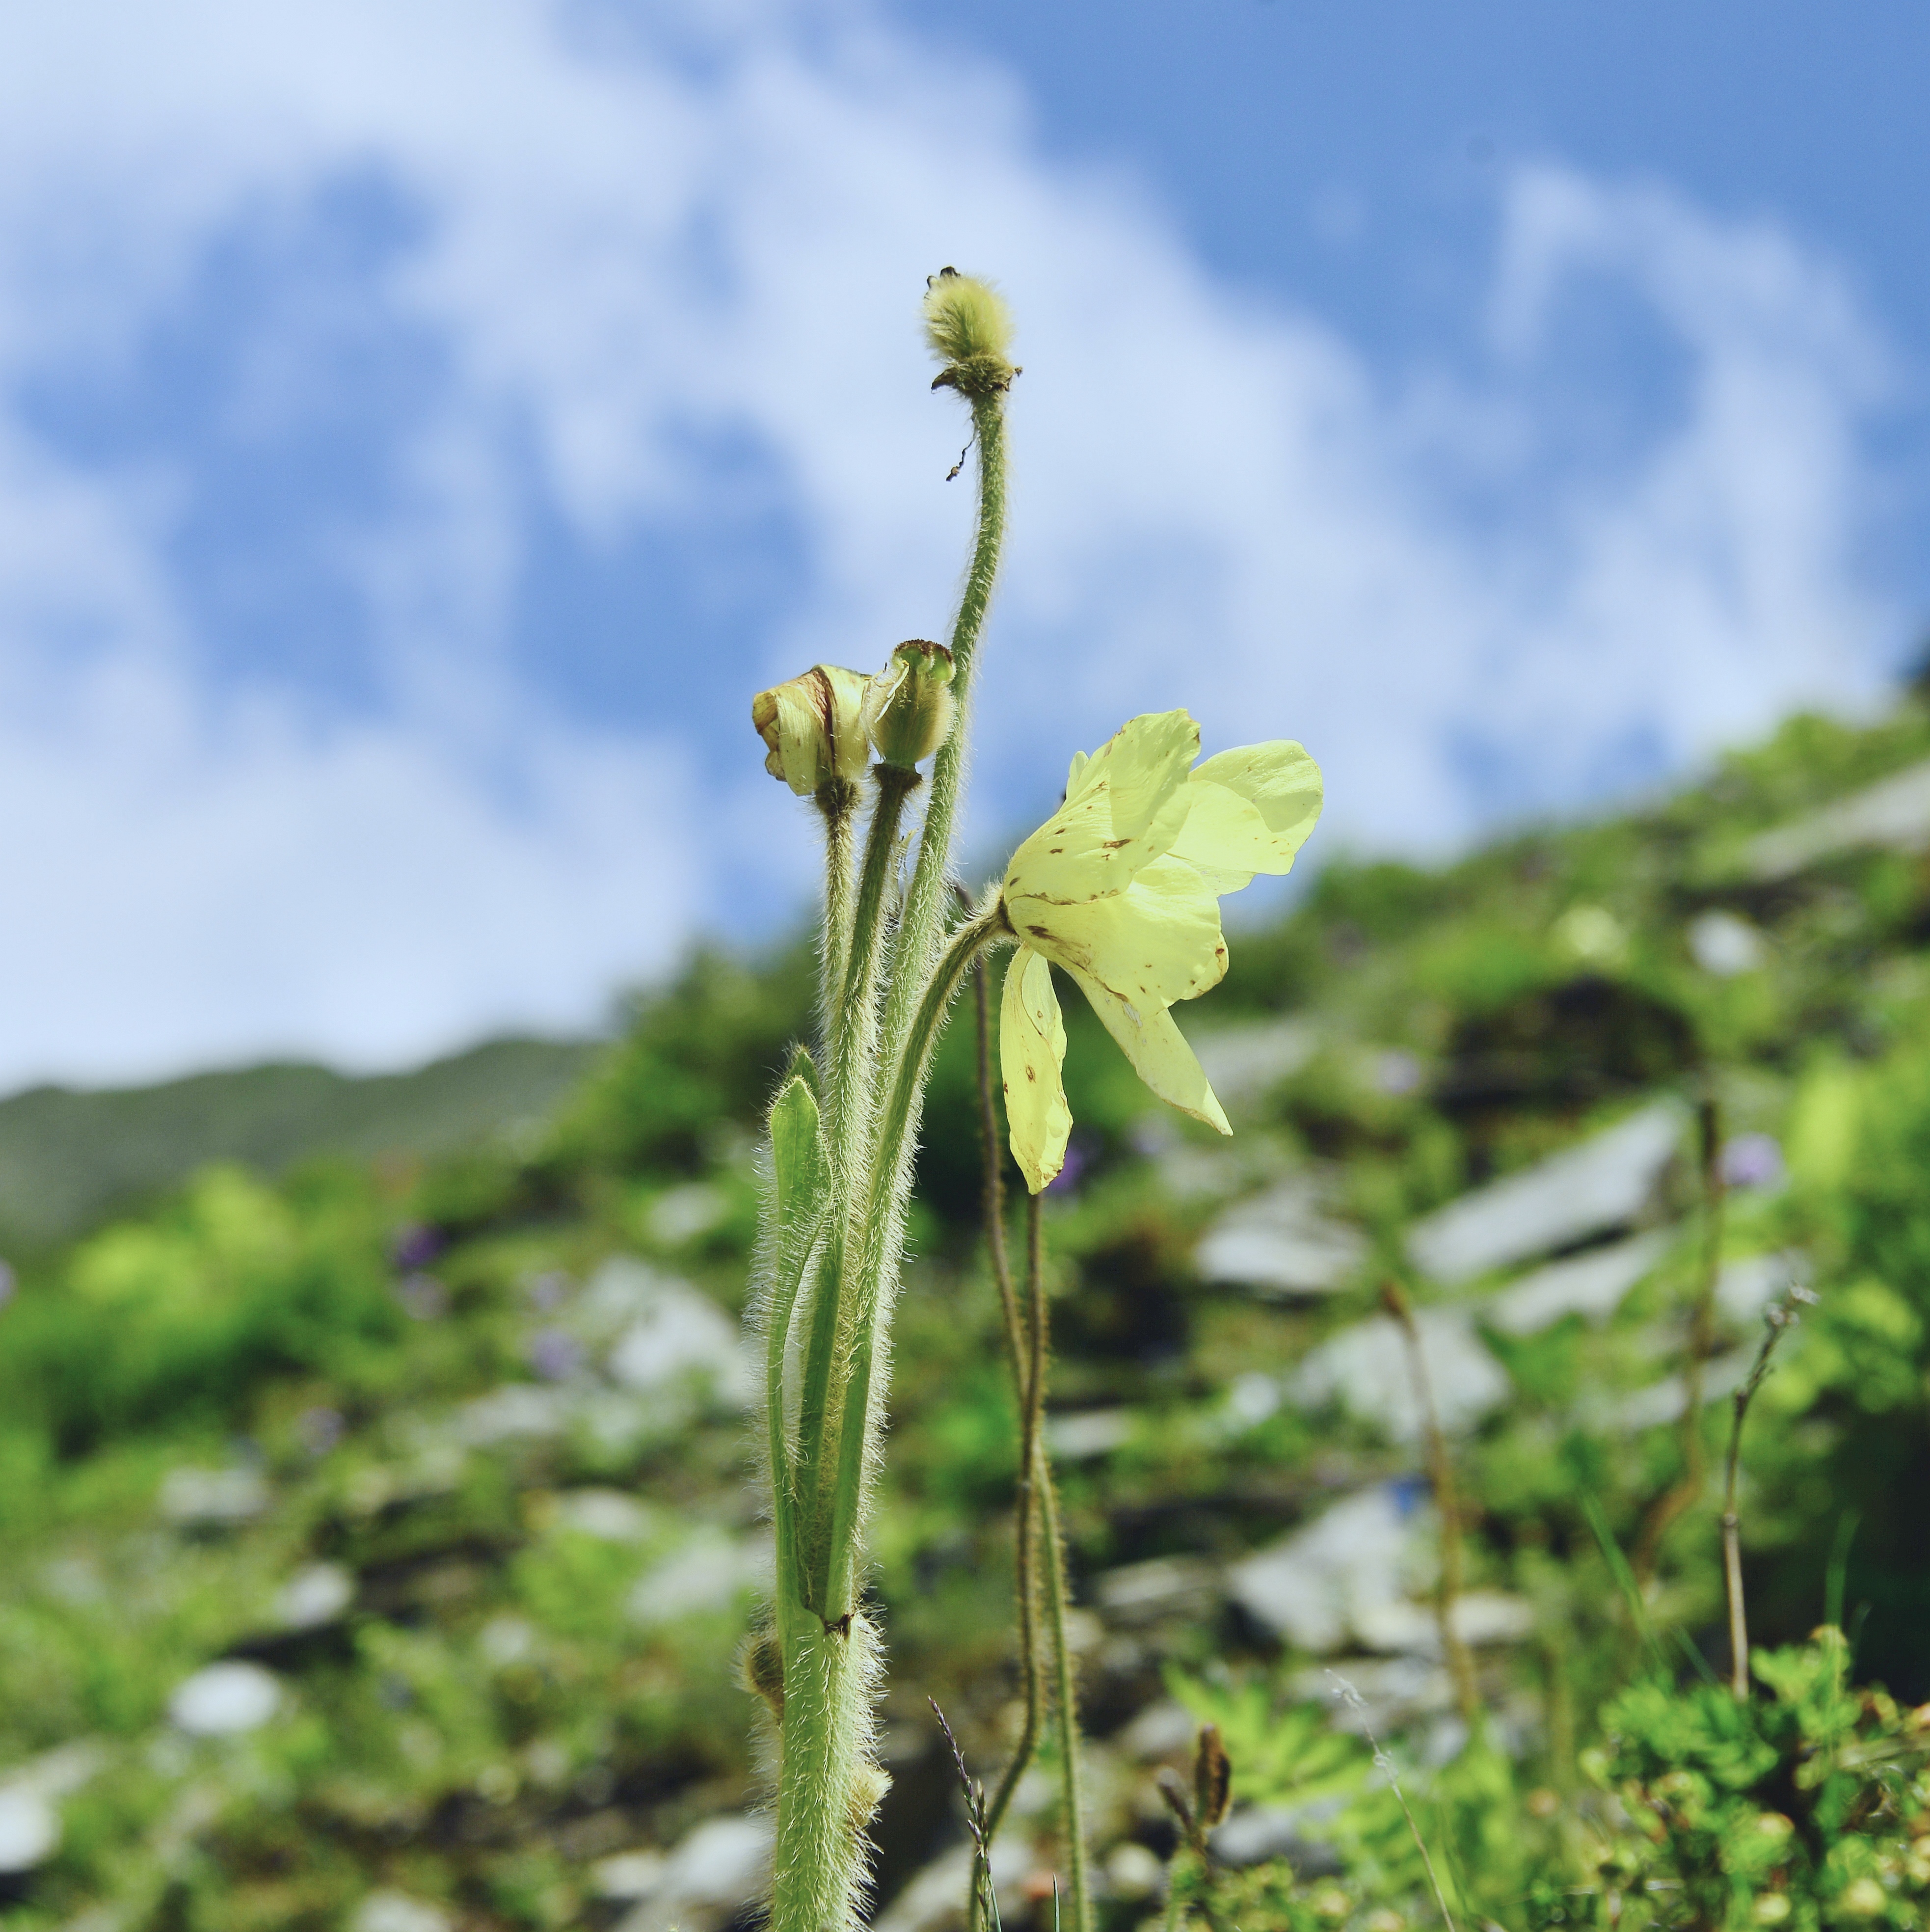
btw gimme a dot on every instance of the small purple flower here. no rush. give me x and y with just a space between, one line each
554 1355
423 1297
415 1246
1078 1158
548 1291
320 1429
1752 1160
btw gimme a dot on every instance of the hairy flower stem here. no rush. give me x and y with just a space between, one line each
837 802
851 1039
858 994
920 923
1028 1384
1065 1700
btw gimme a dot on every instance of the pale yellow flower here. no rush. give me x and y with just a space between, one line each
1121 887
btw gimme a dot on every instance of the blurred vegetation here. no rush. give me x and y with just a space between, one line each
443 1353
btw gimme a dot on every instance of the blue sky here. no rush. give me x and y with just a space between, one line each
422 429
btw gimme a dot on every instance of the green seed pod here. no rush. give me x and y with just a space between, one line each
970 330
812 728
908 708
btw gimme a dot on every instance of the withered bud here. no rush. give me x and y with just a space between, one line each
909 707
813 728
760 1669
1212 1778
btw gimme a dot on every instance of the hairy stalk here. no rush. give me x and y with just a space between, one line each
1028 1385
837 803
1778 1320
879 1226
920 923
1065 1688
858 994
1447 1503
854 1047
1671 1503
827 1784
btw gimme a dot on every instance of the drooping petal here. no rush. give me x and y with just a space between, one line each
1250 811
1149 1038
1031 1051
1157 941
1124 806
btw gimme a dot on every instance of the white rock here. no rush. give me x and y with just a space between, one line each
1161 1586
1895 812
1132 1870
1366 1369
1311 1586
717 1868
313 1597
1745 1288
1164 1728
29 1829
1607 1182
397 1912
680 1214
210 1498
518 1411
628 1874
1092 1433
933 1900
1242 1062
1480 1617
611 1516
224 1700
710 1572
679 1333
1591 1285
1283 1242
1724 945
1252 1397
1664 1401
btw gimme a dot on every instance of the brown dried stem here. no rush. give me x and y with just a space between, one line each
1447 1503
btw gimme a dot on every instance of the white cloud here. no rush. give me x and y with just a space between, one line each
1218 503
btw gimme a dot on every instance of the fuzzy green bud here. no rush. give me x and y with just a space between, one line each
970 330
813 728
909 707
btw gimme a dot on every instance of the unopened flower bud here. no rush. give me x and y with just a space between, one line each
813 728
908 708
970 330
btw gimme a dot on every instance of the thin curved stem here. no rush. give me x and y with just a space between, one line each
1026 1379
919 925
1065 1686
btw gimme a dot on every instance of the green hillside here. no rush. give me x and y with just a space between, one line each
381 1535
69 1156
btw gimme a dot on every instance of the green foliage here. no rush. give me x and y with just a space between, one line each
1797 1809
179 1316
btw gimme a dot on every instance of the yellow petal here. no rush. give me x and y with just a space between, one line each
1124 806
1251 811
1031 1050
1150 1039
1158 941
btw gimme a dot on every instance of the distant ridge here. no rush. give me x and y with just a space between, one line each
70 1158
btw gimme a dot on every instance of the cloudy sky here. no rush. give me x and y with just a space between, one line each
424 423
